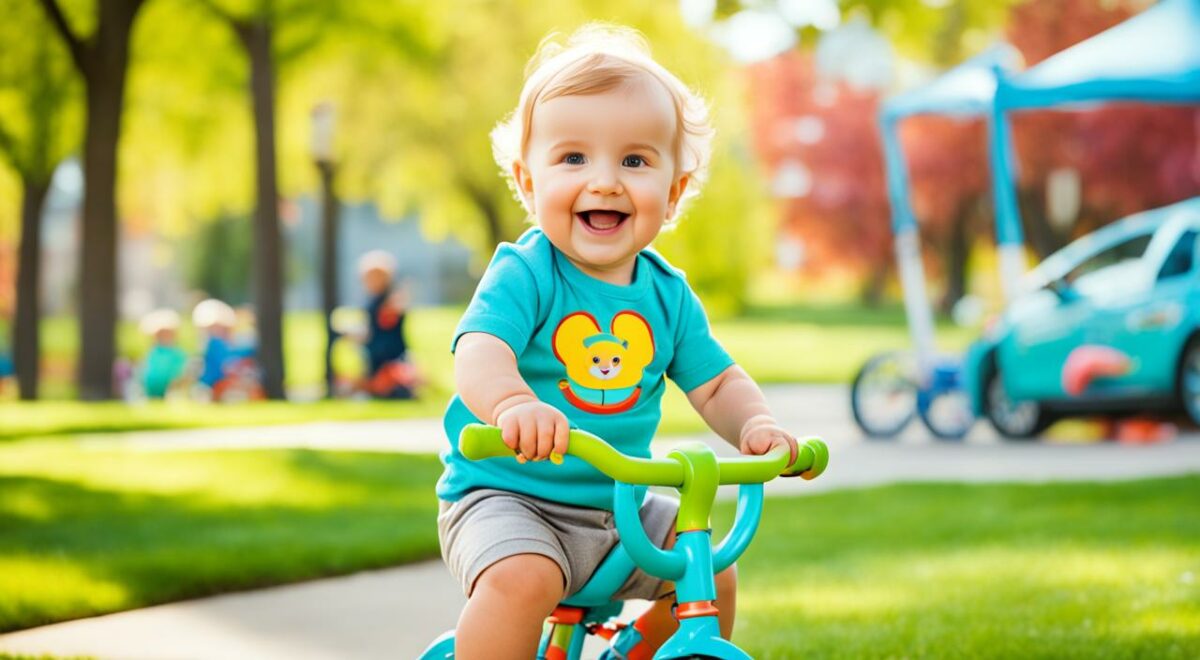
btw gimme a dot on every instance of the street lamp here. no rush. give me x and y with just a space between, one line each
322 152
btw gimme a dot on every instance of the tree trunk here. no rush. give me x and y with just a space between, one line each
1040 234
268 258
105 74
482 197
955 257
329 279
495 230
26 337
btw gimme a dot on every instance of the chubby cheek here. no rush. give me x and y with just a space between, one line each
651 204
552 205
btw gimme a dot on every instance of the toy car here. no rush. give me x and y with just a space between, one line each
1110 325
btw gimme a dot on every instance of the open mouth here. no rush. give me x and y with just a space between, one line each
602 222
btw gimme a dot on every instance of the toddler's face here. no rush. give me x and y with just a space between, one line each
600 174
376 281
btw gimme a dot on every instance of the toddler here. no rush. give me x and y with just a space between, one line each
576 325
391 376
165 362
227 365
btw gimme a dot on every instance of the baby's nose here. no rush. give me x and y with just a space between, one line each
605 182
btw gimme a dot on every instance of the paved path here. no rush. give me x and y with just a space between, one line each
393 613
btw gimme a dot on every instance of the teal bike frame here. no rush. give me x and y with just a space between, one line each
695 471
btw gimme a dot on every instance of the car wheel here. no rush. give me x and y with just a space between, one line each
1019 421
883 397
1188 386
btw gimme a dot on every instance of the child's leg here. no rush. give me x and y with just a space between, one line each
504 614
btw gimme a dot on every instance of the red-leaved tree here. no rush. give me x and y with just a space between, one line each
826 134
950 193
1129 156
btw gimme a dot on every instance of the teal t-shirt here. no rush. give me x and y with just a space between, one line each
164 365
596 351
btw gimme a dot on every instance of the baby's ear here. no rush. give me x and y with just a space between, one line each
524 183
676 193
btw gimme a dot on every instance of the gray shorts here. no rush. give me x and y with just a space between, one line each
488 525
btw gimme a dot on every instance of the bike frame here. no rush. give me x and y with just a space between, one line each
695 471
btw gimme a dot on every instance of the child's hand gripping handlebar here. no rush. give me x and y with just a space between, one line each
694 470
479 441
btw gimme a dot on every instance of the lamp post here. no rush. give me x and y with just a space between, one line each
322 153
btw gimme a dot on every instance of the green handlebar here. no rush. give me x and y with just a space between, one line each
479 441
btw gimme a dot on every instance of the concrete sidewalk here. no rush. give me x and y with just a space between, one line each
375 614
395 613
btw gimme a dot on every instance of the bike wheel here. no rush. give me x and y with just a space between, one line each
947 413
883 397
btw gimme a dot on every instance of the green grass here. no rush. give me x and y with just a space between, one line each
776 345
88 532
983 571
45 418
820 345
1080 570
430 332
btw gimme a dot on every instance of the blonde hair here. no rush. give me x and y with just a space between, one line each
598 58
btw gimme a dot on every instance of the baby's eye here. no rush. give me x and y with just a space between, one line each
616 361
574 158
633 161
595 360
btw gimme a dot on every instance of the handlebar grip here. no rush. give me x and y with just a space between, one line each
480 441
811 460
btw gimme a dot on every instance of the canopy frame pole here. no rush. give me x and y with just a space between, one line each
907 246
1010 239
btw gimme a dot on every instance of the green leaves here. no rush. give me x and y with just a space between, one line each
40 94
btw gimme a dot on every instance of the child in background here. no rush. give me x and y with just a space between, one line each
223 367
7 369
576 325
391 376
165 362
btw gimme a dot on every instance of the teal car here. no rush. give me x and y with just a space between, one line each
1108 325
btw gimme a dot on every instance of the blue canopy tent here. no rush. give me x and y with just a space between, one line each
964 91
889 389
1152 57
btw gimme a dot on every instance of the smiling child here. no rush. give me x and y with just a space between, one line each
578 324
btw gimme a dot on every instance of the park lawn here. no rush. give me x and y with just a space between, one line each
977 571
910 570
85 532
46 418
827 344
781 345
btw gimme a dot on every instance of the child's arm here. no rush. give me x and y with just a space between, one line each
488 382
733 406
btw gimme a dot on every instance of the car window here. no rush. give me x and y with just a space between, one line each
1129 250
1182 257
1111 283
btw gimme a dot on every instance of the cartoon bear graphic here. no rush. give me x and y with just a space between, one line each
604 369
